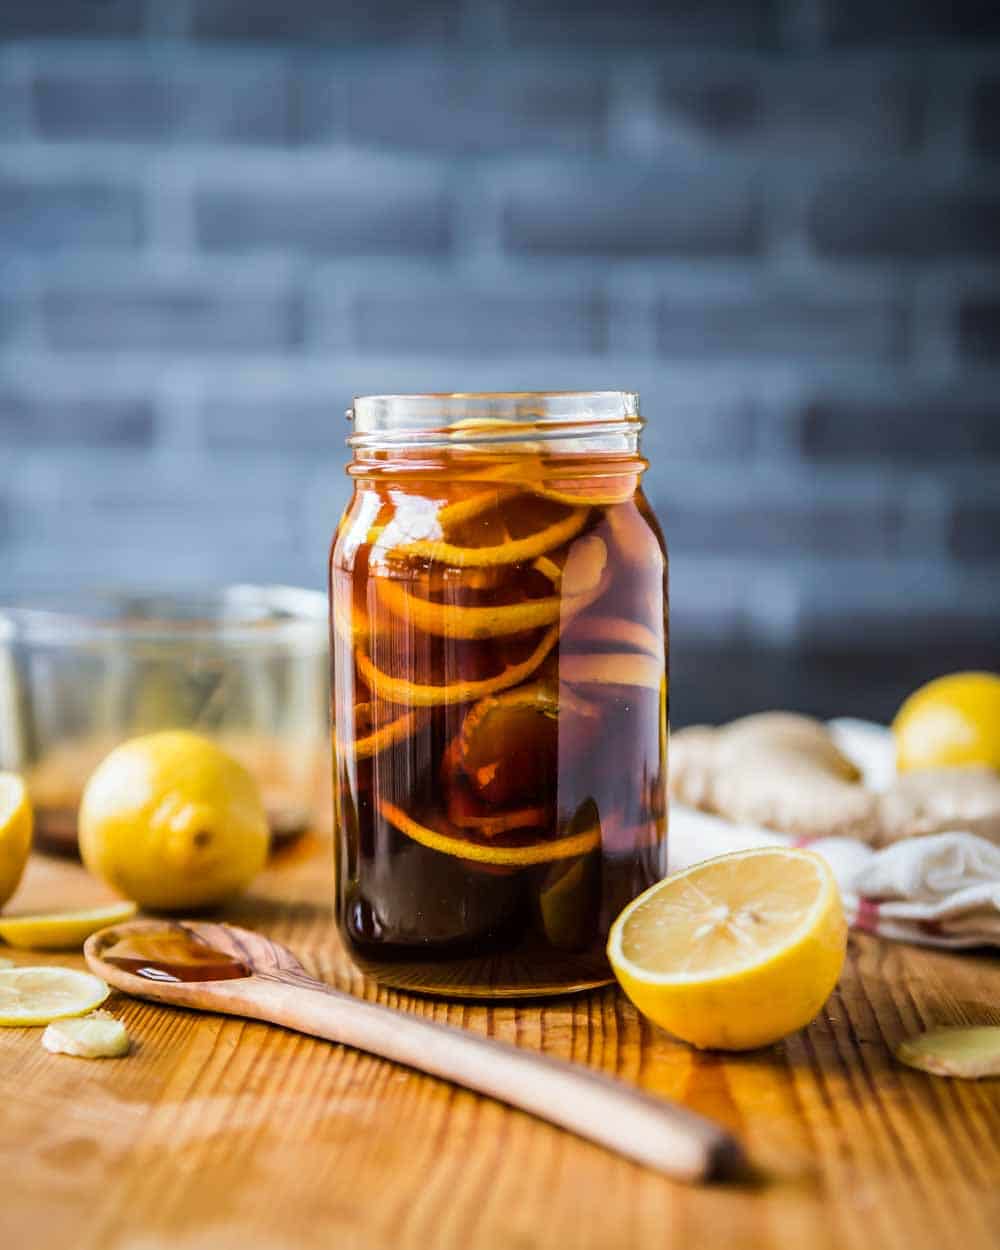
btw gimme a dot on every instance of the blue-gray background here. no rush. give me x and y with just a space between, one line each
779 221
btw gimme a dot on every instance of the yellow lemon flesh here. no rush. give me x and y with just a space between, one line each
735 952
62 930
34 996
952 722
173 822
16 826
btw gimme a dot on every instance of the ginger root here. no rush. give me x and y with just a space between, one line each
775 769
784 771
932 800
965 1052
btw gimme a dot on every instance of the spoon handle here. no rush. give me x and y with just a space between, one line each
649 1129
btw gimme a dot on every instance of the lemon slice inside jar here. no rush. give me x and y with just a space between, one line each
582 580
512 552
387 735
586 493
504 856
413 694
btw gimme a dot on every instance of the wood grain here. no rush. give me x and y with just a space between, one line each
271 985
219 1133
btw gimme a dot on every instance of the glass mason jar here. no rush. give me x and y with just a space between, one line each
498 605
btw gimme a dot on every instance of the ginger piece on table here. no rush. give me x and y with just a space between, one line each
964 1052
95 1036
778 770
933 800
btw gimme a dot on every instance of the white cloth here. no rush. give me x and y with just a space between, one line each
940 890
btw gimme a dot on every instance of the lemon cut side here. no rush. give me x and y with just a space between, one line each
33 996
735 952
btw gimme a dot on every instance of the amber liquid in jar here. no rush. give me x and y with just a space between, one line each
498 625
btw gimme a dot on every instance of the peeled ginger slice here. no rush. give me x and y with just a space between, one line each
965 1052
97 1036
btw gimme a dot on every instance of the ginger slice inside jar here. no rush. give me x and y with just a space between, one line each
503 822
626 668
585 493
507 856
617 630
582 580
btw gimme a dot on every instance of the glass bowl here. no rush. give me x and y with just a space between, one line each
245 665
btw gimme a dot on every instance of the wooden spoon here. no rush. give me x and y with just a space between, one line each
264 981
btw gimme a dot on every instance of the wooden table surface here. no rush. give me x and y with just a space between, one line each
218 1133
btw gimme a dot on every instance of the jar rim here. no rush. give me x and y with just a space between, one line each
488 416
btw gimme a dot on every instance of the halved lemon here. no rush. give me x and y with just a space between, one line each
62 930
31 996
16 826
734 952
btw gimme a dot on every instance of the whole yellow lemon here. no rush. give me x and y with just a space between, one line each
173 822
952 722
16 827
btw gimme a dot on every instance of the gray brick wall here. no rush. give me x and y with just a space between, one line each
780 221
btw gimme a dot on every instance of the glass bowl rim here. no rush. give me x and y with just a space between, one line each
242 613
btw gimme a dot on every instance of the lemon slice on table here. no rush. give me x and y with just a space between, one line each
39 995
16 826
62 930
735 952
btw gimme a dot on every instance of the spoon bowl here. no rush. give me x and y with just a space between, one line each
147 941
